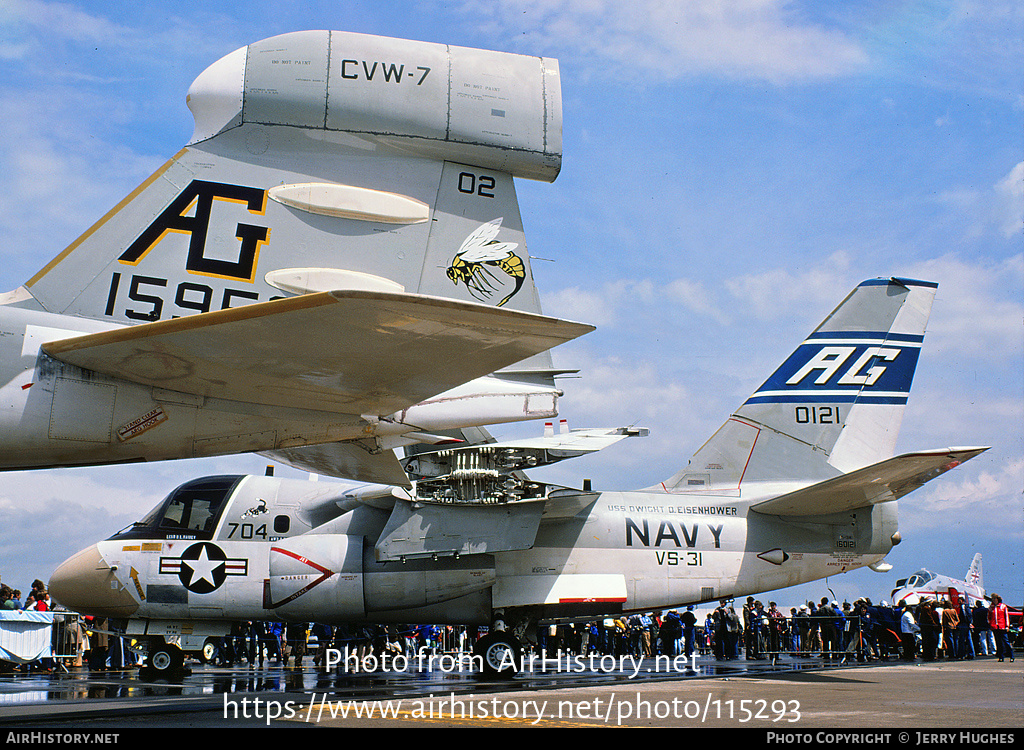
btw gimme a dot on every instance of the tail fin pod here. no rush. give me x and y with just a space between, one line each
339 157
834 405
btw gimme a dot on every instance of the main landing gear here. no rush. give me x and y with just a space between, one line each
501 654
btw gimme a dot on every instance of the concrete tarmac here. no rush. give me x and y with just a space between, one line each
895 697
792 696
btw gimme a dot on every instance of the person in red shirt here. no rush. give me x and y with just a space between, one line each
999 620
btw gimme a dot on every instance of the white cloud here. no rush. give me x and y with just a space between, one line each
60 179
627 299
695 297
34 27
681 410
64 20
788 291
599 308
978 309
25 490
649 39
998 208
1009 201
765 296
967 493
50 515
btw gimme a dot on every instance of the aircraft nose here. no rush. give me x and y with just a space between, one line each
85 583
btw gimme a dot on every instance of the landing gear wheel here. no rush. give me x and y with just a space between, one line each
208 652
500 653
164 659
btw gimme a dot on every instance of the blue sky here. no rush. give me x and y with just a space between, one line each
731 170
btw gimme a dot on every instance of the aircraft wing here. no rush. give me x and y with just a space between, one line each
359 460
348 352
576 442
356 460
516 455
474 499
881 482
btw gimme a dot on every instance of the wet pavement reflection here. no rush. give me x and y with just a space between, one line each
404 679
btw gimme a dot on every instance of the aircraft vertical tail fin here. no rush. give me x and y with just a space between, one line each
974 576
835 404
322 161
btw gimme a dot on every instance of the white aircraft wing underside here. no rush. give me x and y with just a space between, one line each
349 459
348 352
881 482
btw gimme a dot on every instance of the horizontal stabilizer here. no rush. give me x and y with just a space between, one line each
881 482
348 352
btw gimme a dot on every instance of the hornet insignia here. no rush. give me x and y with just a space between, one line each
481 250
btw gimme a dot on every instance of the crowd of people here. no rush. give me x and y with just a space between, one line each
37 600
954 629
945 629
826 629
948 629
640 634
859 631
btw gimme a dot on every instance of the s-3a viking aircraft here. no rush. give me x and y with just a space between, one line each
332 267
798 484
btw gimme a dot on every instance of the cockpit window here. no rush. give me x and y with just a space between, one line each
195 513
920 578
189 512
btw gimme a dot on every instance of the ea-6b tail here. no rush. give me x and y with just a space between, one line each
281 284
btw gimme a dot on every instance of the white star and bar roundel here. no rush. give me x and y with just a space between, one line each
203 567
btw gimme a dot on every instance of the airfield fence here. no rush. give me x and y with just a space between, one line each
69 638
51 640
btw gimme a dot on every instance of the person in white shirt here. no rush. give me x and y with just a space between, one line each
908 632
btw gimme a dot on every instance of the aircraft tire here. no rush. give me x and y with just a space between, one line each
500 653
208 652
164 658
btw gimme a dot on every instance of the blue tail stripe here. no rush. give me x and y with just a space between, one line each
849 369
845 398
879 336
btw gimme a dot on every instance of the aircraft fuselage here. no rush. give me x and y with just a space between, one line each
627 551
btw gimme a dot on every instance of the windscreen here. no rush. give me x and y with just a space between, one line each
189 512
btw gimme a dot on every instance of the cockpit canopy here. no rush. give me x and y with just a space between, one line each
190 512
920 578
